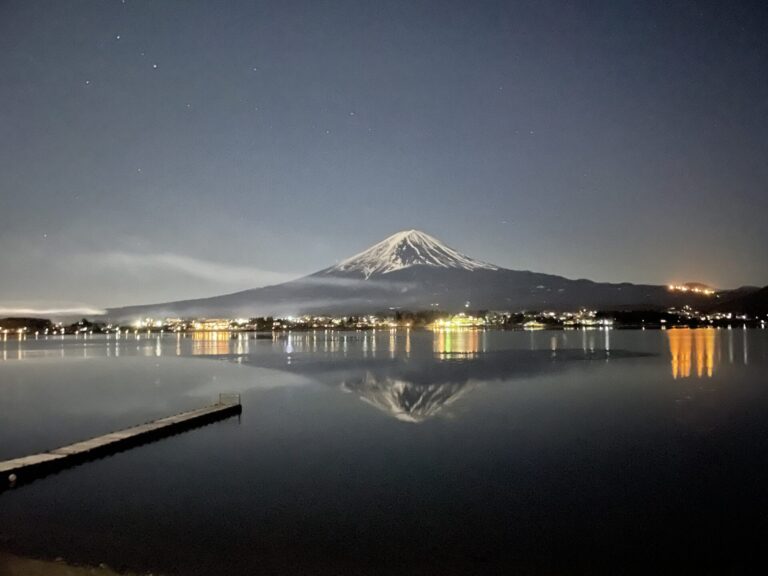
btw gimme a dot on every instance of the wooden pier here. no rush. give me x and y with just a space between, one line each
21 470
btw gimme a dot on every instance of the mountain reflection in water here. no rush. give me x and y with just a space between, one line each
410 375
417 391
416 388
406 401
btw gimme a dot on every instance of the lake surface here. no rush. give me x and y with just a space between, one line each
402 452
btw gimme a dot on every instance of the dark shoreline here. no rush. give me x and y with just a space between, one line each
17 565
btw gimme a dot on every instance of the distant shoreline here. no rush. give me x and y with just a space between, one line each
13 565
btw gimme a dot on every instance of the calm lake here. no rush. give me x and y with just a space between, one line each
402 452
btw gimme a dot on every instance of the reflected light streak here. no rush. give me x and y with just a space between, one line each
448 344
210 343
689 346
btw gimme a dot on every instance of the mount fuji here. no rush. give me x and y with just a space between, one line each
416 271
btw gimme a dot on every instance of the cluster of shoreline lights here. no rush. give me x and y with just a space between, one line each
463 320
24 331
219 324
694 288
458 321
583 318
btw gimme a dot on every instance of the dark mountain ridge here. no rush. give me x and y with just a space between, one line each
753 302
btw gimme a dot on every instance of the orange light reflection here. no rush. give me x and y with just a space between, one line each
692 345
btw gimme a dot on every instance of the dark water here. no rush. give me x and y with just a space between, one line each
574 452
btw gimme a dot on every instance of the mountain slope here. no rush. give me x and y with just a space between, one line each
413 270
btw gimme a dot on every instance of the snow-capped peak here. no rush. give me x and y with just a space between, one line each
405 249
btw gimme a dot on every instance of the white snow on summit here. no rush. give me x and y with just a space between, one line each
405 249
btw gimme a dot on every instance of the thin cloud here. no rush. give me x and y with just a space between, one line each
31 311
192 267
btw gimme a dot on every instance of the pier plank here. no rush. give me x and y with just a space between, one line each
17 470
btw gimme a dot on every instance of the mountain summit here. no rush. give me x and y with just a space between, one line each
404 250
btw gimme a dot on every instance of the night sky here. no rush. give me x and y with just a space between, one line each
158 150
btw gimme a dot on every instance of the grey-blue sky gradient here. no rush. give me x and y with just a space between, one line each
167 150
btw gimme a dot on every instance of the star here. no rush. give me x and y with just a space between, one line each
117 37
154 66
